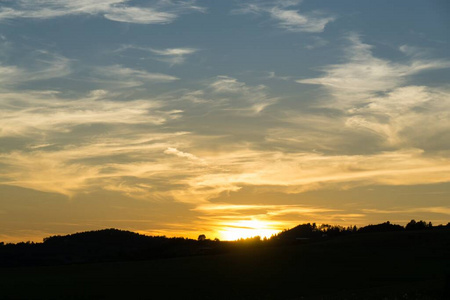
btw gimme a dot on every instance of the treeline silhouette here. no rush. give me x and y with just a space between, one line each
99 246
119 245
311 231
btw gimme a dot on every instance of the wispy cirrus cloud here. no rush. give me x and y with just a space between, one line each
133 152
44 65
396 116
363 73
46 161
374 95
139 15
176 152
418 210
24 114
243 97
128 77
266 209
304 171
111 150
287 18
172 56
158 12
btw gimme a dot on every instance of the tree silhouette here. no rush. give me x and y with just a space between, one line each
420 225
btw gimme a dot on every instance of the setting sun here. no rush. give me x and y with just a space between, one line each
247 229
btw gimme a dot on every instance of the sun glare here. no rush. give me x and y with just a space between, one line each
247 229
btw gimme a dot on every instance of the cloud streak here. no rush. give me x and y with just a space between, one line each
162 12
128 77
45 65
133 146
289 19
28 113
254 98
363 73
174 56
376 100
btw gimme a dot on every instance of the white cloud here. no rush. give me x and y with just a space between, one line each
299 172
374 95
176 152
10 74
25 114
135 155
398 114
364 74
162 11
139 15
288 19
174 56
400 100
46 9
128 77
174 51
58 156
292 20
255 98
227 84
44 65
195 182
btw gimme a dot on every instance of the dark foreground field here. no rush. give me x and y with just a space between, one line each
396 265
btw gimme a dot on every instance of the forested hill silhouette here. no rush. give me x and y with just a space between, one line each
312 231
119 245
99 246
110 235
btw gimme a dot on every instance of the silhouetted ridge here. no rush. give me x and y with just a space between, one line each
120 245
420 225
105 236
101 245
384 227
306 232
312 231
301 231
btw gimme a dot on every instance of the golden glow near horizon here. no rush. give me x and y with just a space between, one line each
247 229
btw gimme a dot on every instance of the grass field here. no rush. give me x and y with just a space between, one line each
398 265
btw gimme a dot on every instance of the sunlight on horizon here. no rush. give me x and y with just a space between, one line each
247 229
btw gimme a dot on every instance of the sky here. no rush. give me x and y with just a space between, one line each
225 118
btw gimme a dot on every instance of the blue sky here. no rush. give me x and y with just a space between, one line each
188 117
